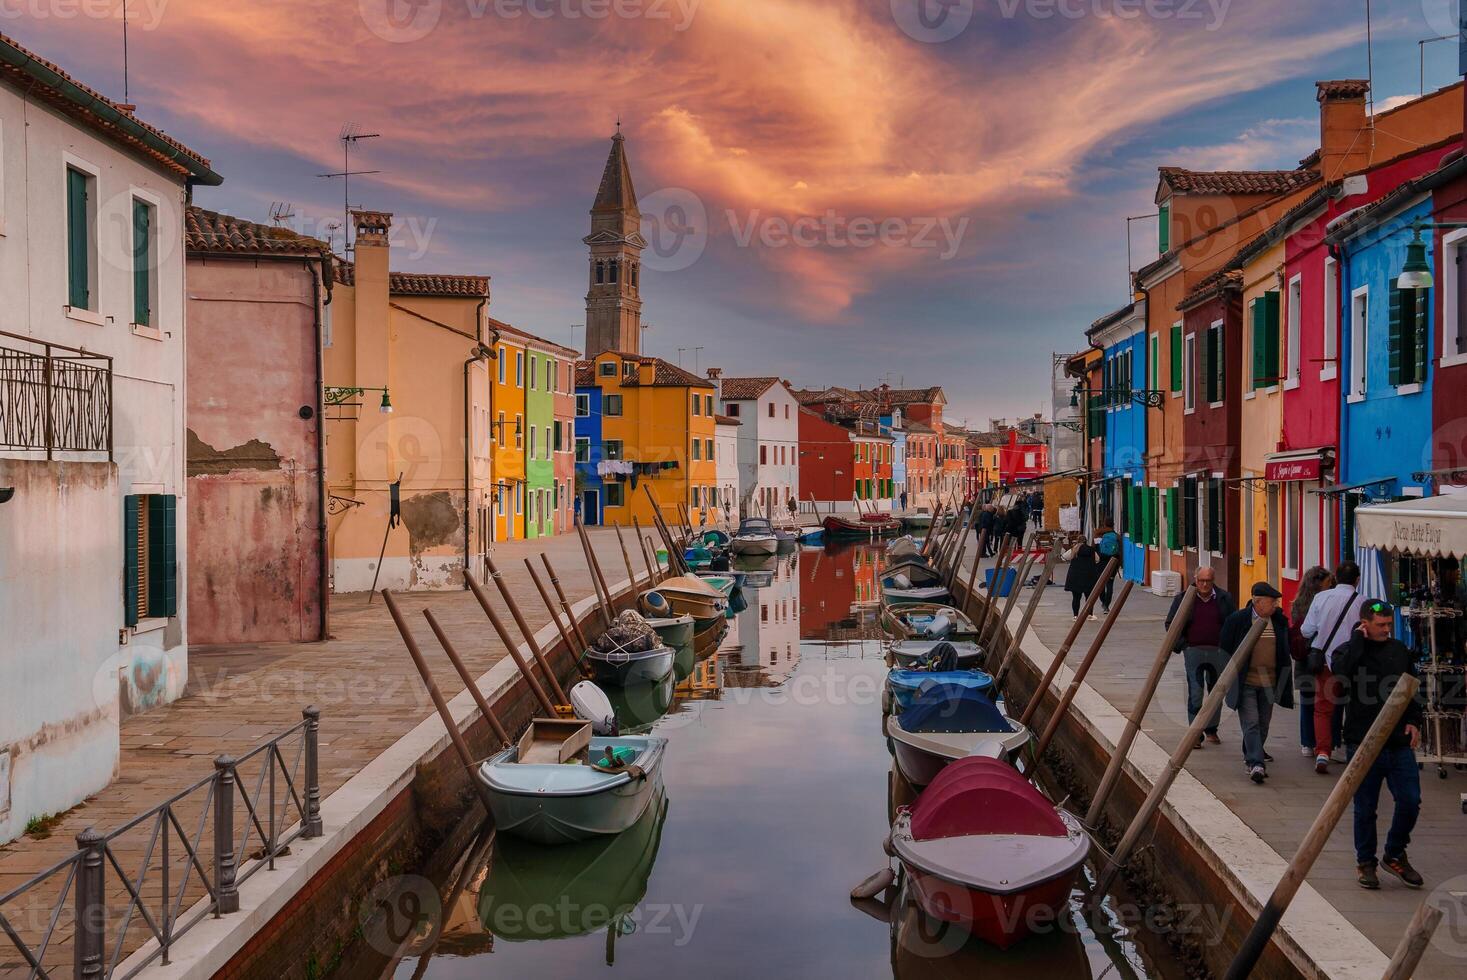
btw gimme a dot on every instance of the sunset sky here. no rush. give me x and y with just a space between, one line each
868 200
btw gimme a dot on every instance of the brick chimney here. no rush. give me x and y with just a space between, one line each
373 338
1344 143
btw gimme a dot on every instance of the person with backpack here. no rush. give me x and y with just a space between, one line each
1332 614
1108 547
1081 576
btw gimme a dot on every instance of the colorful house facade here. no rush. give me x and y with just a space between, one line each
1125 497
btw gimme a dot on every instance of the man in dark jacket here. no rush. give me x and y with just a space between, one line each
988 521
1016 520
1369 664
1266 679
1199 645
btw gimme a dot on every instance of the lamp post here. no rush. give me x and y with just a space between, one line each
339 395
1150 397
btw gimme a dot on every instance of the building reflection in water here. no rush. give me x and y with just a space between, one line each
839 598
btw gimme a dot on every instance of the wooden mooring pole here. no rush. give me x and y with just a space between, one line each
1138 710
1413 944
1334 807
1011 646
463 674
565 637
1064 650
526 632
509 644
564 602
1073 689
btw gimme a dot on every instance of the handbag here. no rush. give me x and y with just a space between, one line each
1315 662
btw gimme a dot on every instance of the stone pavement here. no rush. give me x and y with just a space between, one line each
1281 810
241 696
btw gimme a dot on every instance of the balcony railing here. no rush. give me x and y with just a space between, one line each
57 399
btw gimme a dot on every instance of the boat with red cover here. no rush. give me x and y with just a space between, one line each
866 526
984 849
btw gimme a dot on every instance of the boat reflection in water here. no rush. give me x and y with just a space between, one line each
639 707
540 893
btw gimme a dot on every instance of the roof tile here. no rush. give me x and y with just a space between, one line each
210 231
1182 181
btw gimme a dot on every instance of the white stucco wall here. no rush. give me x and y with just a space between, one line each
758 429
36 147
726 452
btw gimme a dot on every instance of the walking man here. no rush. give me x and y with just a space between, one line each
988 521
1331 617
1369 665
1199 644
1265 680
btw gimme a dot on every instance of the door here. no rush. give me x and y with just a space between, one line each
590 507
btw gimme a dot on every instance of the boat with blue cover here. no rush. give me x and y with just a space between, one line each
903 686
908 654
947 722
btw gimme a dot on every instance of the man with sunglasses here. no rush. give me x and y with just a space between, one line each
1370 663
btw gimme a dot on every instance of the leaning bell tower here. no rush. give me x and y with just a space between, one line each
613 299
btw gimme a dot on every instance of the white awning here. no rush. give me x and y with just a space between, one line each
1433 527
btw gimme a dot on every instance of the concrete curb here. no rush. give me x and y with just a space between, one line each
210 945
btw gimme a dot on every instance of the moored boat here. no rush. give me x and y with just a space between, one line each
983 849
673 631
913 581
755 536
630 652
904 686
685 595
910 653
928 621
560 784
865 526
947 722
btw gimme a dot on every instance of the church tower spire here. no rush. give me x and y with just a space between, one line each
614 300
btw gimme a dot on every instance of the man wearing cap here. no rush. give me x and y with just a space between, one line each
1265 679
1370 664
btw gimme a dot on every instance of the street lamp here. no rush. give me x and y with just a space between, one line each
1416 273
338 395
1150 397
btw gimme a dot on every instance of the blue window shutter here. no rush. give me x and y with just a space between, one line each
141 274
78 242
1395 339
130 508
162 554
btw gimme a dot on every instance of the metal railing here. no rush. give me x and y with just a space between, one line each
57 400
216 859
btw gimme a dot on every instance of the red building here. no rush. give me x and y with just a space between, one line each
827 462
1022 458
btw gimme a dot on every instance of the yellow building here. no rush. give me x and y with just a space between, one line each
1259 553
424 339
507 436
657 429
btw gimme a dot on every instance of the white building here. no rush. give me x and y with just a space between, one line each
726 453
92 532
769 440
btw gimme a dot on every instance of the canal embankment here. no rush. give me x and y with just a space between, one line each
1220 842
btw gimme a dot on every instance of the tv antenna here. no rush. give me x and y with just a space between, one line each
281 212
350 135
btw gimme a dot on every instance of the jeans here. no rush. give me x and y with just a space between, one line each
1203 665
1307 686
1105 594
1397 769
1255 711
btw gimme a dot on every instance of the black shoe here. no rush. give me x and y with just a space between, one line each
1368 878
1257 774
1401 868
1199 742
1267 757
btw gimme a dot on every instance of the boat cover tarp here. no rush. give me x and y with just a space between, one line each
953 708
918 680
977 795
628 634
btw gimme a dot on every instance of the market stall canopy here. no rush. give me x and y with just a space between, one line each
1431 527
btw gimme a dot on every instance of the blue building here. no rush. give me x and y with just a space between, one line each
590 495
1124 496
1385 355
893 424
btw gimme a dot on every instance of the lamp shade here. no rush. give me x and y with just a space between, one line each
1416 273
386 408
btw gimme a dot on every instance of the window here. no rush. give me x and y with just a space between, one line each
1216 530
786 411
615 495
697 449
583 449
534 369
731 409
771 409
611 406
607 369
693 497
708 443
1155 363
697 405
559 442
1293 522
600 272
532 442
519 432
150 556
144 262
1329 365
1164 229
1189 387
1214 371
1294 332
1176 358
708 405
550 375
499 429
583 406
1408 342
1454 298
615 269
1245 546
763 455
519 370
81 239
611 449
1359 317
1264 334
519 498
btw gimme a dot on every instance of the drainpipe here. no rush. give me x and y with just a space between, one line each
480 353
324 574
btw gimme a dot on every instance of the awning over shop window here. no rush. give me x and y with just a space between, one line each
1430 527
1307 464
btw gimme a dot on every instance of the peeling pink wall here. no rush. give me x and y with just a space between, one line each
254 478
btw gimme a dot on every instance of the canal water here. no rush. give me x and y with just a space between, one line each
776 805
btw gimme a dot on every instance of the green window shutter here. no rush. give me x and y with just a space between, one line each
1177 357
1271 338
1421 341
1218 366
1153 510
1164 230
1189 512
141 275
78 244
130 508
1153 357
1395 339
1208 373
162 555
1172 518
1257 330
